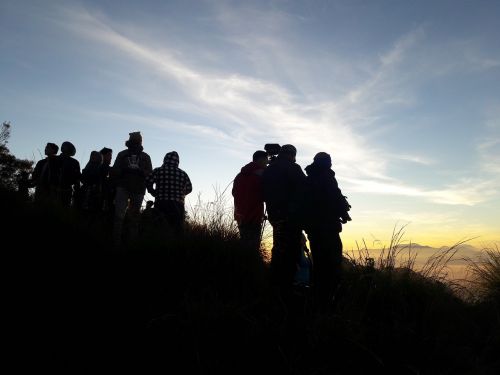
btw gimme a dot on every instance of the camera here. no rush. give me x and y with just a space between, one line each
272 149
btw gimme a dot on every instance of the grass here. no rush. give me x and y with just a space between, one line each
203 304
485 272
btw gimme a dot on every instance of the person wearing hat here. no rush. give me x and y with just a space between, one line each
45 174
169 185
130 170
249 201
326 211
282 183
69 177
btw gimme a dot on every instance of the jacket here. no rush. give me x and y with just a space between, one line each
172 183
131 168
324 204
282 183
248 195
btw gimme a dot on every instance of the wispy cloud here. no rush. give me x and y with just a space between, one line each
248 109
467 193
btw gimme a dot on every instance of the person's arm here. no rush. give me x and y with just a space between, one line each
37 172
189 187
150 181
148 168
77 175
297 176
117 169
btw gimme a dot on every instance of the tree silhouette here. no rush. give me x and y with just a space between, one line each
14 172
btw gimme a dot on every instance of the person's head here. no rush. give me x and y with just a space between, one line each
134 139
171 158
149 204
288 152
95 157
260 157
107 155
51 149
67 148
323 159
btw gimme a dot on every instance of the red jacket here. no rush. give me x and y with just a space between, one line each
247 193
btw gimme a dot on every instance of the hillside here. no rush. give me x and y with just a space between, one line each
204 305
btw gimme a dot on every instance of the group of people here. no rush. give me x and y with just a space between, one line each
118 190
295 202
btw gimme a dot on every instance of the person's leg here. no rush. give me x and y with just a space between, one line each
177 217
336 260
326 249
293 248
250 235
173 213
277 252
287 244
134 212
121 203
322 267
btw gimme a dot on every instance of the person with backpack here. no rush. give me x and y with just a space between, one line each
45 175
130 170
282 183
326 209
169 185
249 200
69 175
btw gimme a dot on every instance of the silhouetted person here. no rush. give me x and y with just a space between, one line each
45 176
325 212
108 188
169 185
283 181
69 175
130 170
249 200
92 181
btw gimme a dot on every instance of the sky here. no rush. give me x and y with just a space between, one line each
404 95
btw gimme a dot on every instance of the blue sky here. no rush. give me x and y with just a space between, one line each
404 95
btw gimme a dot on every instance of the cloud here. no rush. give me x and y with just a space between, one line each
246 108
467 193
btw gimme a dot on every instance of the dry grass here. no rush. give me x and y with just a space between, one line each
214 218
396 255
485 274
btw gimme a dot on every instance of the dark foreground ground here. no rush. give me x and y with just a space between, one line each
203 305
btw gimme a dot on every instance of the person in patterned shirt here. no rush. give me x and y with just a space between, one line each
169 185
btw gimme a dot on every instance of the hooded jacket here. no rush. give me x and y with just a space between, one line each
324 203
247 193
131 168
172 183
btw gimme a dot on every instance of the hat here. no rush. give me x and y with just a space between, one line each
322 155
95 157
53 147
106 151
68 148
135 137
259 155
288 150
323 159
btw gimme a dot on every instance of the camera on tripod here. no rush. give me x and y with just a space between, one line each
272 149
